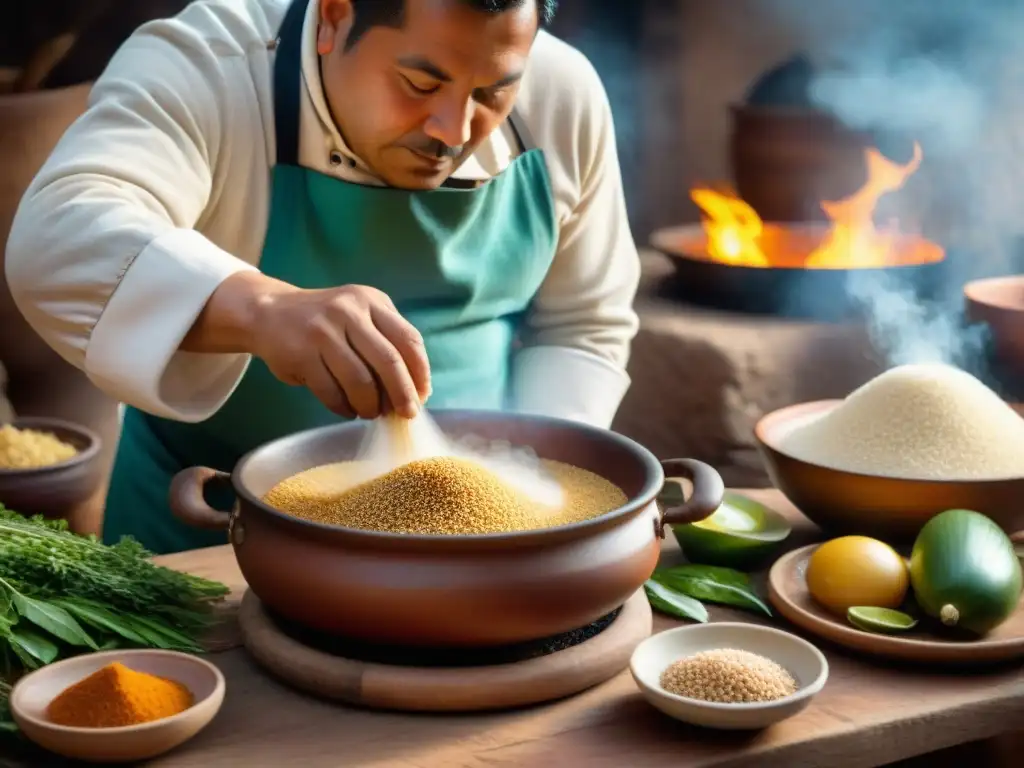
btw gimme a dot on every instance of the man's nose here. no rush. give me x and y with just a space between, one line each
450 122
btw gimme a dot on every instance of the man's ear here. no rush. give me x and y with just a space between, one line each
335 23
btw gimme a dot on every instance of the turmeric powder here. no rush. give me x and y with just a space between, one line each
116 696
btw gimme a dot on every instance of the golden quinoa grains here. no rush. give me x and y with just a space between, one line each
728 676
30 448
441 496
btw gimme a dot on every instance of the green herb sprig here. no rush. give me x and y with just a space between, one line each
62 594
678 591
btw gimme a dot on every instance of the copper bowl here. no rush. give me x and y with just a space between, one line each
54 489
449 591
887 508
999 302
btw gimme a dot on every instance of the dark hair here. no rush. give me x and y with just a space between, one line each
388 13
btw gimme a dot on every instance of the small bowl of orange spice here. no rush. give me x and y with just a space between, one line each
117 706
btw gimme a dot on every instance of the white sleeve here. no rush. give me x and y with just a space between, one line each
103 258
582 322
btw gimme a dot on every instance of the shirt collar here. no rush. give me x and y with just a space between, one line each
315 91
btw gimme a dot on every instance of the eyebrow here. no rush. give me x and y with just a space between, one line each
429 68
425 66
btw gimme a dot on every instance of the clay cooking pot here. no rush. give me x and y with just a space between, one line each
458 590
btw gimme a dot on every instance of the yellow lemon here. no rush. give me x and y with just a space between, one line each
857 571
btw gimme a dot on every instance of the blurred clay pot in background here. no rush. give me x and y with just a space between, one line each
786 159
41 383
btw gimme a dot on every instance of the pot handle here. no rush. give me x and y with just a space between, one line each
706 497
188 504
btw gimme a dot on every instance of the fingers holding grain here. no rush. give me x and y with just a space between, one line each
323 385
405 338
387 364
354 377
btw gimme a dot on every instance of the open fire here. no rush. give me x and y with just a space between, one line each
735 235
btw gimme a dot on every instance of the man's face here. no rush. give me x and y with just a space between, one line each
413 102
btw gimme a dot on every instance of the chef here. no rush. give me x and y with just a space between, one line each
274 215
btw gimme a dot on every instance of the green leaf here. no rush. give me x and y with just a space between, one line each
34 643
673 603
714 584
162 636
27 659
150 639
7 604
53 619
98 617
8 616
715 573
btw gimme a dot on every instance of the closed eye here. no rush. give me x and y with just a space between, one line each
417 90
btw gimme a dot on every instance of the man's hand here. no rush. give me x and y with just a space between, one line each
348 345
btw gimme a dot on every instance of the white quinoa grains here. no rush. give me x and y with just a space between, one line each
442 496
925 422
728 676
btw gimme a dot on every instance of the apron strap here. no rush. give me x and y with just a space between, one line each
288 89
522 133
288 83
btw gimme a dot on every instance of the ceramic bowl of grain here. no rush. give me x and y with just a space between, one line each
731 676
32 697
911 443
47 465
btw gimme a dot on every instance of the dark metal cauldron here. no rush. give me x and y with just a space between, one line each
436 591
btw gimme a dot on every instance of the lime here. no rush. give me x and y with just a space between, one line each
884 620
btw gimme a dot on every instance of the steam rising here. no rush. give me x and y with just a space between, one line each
950 74
909 331
390 442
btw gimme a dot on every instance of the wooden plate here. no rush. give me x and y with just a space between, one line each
787 591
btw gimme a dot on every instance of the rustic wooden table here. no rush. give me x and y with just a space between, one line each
869 714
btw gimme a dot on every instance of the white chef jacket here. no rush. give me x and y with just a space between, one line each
161 190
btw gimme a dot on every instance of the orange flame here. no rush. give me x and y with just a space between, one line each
733 228
736 234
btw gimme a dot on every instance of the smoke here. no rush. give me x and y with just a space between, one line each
950 75
908 330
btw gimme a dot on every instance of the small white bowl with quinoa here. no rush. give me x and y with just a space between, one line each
728 675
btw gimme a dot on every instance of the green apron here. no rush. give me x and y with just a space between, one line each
461 264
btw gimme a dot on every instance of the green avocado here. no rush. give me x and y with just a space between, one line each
739 534
964 571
